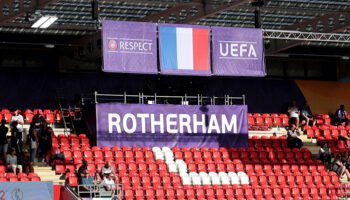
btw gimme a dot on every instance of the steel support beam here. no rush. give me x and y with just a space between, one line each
329 23
187 14
9 9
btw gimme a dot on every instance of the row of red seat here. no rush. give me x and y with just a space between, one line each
23 179
230 193
19 177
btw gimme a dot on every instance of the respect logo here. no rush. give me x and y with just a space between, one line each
112 44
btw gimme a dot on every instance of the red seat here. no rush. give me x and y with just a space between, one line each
139 194
277 121
35 179
68 155
259 121
50 118
268 121
73 181
285 121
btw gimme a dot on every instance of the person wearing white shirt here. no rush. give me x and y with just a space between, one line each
20 122
109 183
294 114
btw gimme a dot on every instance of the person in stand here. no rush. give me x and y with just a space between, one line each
324 154
18 118
339 168
293 140
107 169
34 142
88 182
26 162
306 117
109 183
294 113
14 136
82 170
45 141
3 140
340 116
37 121
11 161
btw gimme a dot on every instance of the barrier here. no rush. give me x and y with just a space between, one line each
26 190
98 192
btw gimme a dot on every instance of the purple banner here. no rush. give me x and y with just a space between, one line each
129 47
238 52
171 125
184 49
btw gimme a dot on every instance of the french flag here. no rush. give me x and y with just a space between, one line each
184 48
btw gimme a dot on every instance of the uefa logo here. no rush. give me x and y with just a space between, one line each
112 44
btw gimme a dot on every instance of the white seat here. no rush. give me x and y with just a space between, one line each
241 174
169 154
193 174
203 174
225 180
206 180
169 161
172 167
155 149
186 180
196 180
222 174
158 155
213 174
235 180
215 180
179 161
182 174
231 174
244 180
166 149
182 167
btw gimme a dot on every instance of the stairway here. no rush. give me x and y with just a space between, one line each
47 174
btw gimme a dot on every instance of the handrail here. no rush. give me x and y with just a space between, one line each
96 191
176 99
345 185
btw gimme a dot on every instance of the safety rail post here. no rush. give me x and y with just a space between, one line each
95 94
243 96
346 184
124 97
155 98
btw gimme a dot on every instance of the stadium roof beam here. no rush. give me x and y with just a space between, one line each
187 14
329 23
10 9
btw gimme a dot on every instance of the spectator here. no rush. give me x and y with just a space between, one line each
45 141
109 183
292 140
82 170
56 155
87 181
294 114
107 169
14 136
26 162
340 116
11 161
3 140
339 168
324 154
37 121
18 118
306 117
34 143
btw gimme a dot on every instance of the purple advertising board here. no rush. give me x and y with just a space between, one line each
129 47
171 125
184 49
238 52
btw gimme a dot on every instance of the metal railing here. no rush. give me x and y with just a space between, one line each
98 191
345 189
165 99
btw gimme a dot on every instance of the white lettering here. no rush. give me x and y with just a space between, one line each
112 123
199 123
234 49
143 121
133 123
185 121
170 122
159 123
221 52
230 127
213 124
251 51
242 49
